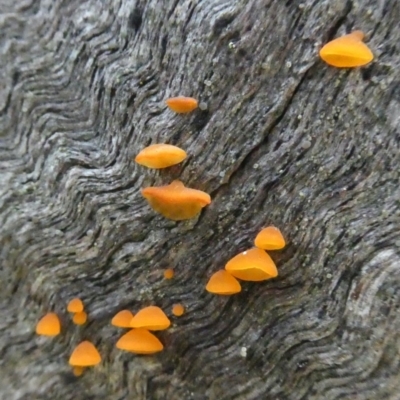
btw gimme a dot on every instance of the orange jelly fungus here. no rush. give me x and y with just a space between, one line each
223 283
85 355
49 325
79 318
78 371
122 319
252 265
178 310
75 306
139 341
347 51
160 156
151 318
182 104
175 201
169 273
270 238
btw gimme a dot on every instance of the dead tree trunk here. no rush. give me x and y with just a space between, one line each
280 138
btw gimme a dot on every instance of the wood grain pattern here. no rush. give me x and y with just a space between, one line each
280 138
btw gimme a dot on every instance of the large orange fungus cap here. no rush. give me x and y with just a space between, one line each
347 51
270 238
122 319
223 283
75 305
175 201
182 104
85 355
139 341
252 265
49 325
151 318
160 156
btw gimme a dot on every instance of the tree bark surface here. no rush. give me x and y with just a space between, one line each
280 138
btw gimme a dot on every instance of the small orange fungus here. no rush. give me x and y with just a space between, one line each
347 51
85 355
160 156
139 341
122 319
270 238
79 318
182 104
78 371
175 201
75 306
223 283
252 265
49 325
178 310
151 318
169 273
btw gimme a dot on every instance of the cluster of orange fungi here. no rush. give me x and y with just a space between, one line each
251 265
177 202
50 324
347 51
174 201
76 308
137 340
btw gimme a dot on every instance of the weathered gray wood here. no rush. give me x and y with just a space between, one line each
285 140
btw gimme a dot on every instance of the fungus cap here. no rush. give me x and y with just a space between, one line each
49 325
160 156
252 265
85 355
79 318
139 341
175 201
122 319
182 104
75 305
223 283
151 318
178 310
347 51
270 238
169 273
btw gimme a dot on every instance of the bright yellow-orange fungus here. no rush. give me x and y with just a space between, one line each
85 355
347 51
122 319
270 238
178 310
151 318
223 283
160 156
252 265
139 341
75 306
175 201
182 104
49 325
79 318
78 371
169 273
